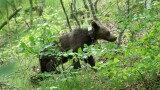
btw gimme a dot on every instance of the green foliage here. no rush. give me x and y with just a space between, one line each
7 69
134 65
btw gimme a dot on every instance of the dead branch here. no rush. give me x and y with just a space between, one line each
10 17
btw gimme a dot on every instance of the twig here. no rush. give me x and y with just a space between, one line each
12 4
66 16
26 23
106 8
10 17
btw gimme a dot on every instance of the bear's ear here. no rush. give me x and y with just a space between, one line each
95 25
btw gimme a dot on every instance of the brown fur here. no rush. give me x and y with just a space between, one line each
74 40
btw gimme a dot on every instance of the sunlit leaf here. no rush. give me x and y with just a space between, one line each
80 50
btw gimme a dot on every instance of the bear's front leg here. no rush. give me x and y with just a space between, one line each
76 64
90 60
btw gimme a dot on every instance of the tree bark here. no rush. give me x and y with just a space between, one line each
74 13
127 17
86 7
93 10
95 5
42 7
145 3
128 9
118 6
66 15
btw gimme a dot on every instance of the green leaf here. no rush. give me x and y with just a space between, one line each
80 50
124 77
116 60
31 38
53 88
85 45
22 47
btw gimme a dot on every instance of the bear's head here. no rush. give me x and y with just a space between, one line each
102 32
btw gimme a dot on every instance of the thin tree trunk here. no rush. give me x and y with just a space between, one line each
43 3
42 7
145 3
86 7
74 5
95 5
31 14
66 15
120 38
127 17
118 6
74 13
128 9
8 24
93 10
9 33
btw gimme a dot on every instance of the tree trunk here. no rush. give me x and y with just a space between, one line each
31 14
43 5
74 13
127 17
95 5
86 7
93 10
145 3
128 9
66 15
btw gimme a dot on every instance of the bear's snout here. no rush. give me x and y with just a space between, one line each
112 38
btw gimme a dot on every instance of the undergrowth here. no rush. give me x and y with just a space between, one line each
133 65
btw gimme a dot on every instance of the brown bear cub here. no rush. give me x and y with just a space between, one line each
74 40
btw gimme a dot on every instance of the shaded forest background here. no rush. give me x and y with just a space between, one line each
29 26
